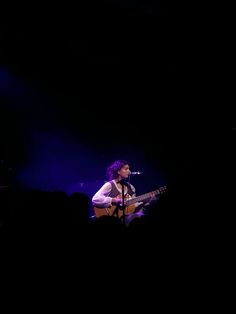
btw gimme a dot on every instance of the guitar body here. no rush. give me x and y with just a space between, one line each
113 211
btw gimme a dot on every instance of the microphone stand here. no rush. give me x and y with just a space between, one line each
123 183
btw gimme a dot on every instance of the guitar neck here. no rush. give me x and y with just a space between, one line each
142 197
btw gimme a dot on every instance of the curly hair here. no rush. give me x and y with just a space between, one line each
112 171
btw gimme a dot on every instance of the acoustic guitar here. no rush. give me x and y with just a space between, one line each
130 205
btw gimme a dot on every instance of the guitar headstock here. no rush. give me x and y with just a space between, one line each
162 189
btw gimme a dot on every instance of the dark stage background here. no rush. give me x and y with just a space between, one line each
83 86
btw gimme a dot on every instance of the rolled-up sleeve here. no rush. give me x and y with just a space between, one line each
101 198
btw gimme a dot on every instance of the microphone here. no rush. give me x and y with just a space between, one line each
135 173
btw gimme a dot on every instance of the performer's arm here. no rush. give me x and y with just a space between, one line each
102 199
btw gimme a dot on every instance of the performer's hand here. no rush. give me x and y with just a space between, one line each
117 201
153 197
